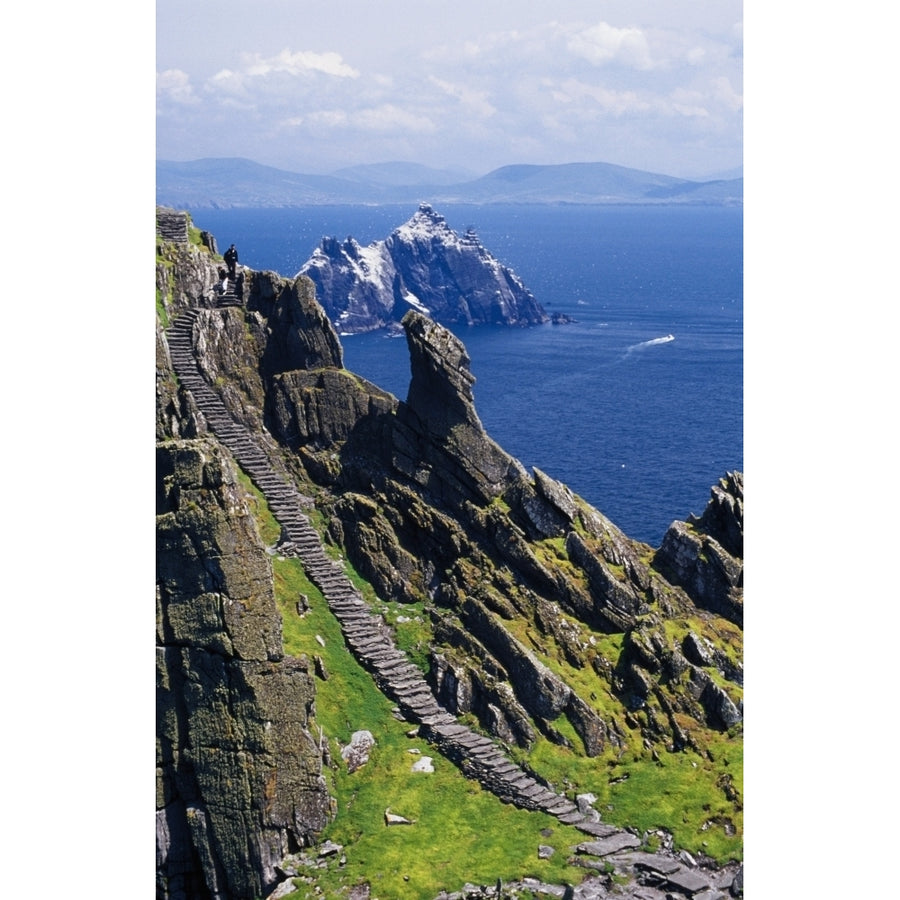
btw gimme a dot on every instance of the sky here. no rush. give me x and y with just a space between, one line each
317 86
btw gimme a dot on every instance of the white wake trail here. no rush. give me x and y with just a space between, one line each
651 343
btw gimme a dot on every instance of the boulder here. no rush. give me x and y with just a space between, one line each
620 840
393 819
356 753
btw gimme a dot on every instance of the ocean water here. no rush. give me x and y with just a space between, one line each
638 405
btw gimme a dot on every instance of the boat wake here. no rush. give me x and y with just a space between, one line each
652 343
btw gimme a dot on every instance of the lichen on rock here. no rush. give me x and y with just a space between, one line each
239 773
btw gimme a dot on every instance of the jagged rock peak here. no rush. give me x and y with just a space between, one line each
426 222
723 518
451 443
441 384
705 555
422 265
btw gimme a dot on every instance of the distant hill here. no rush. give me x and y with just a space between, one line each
400 174
724 175
224 183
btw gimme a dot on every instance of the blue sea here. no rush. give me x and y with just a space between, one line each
638 405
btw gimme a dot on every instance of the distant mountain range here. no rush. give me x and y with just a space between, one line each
226 183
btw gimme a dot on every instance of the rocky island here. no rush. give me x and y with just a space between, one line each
392 662
423 265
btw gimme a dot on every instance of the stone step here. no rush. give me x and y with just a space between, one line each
567 812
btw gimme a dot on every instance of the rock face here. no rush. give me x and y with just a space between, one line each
438 438
705 555
422 265
239 776
424 490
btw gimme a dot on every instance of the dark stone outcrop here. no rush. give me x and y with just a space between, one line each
465 688
239 776
422 265
723 518
617 600
705 555
320 407
441 443
300 335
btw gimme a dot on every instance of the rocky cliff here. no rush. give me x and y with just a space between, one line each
239 775
540 623
422 265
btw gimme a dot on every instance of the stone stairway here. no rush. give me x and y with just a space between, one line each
366 633
229 295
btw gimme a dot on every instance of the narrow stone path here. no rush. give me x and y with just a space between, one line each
367 634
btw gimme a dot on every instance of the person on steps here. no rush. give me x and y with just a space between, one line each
231 259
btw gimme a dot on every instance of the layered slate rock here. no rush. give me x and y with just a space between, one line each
239 776
705 555
422 265
172 225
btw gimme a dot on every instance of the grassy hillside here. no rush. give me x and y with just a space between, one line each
460 832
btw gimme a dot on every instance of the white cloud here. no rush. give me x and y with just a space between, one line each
689 110
228 80
717 99
696 56
473 99
301 63
256 69
175 85
575 92
603 43
536 46
229 89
